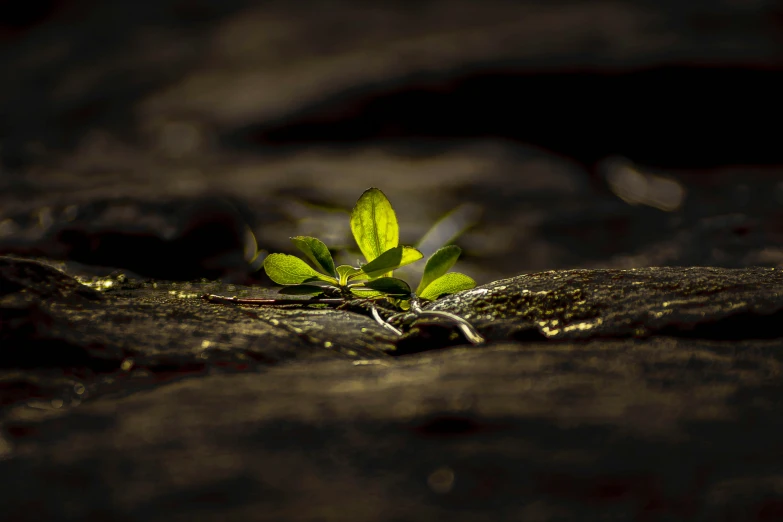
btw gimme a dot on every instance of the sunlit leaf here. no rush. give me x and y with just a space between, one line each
301 290
389 285
385 262
251 245
438 264
345 271
402 304
410 255
317 252
374 224
391 260
365 293
290 270
450 283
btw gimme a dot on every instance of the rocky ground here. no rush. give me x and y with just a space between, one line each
607 168
644 394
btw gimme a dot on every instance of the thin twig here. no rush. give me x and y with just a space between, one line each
219 299
467 329
383 323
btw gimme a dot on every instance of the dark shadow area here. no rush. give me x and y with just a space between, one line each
92 76
669 116
455 426
585 470
22 349
738 327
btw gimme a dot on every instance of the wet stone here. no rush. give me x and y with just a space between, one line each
567 305
661 428
49 320
624 392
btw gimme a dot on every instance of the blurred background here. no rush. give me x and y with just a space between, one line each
174 139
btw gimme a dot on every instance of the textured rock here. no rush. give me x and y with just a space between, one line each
568 305
133 332
650 394
601 395
660 429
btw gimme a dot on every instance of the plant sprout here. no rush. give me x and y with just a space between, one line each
376 231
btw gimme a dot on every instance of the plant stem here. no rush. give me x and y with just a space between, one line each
467 329
219 299
380 321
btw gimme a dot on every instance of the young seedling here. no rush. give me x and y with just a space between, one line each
376 231
435 282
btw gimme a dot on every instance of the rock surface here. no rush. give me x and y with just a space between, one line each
708 303
150 149
649 394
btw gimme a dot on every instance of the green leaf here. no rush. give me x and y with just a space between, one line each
450 283
410 255
385 262
317 252
374 224
290 270
438 264
345 271
402 304
389 285
301 290
366 294
391 260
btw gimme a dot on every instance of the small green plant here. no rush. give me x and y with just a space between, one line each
376 231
